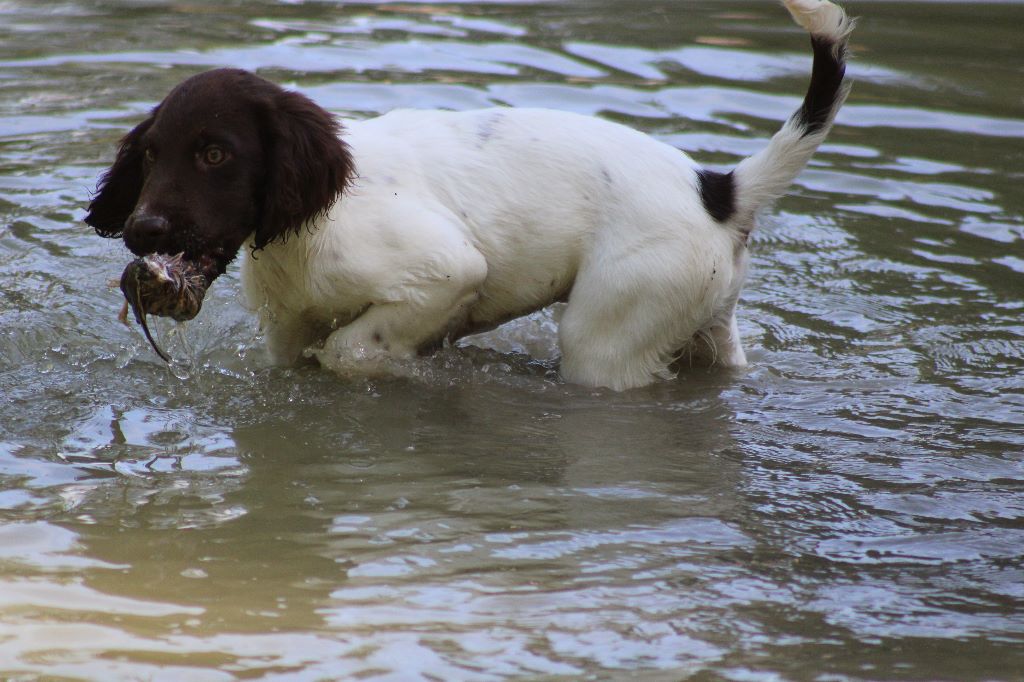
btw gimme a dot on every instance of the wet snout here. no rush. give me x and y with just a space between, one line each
146 232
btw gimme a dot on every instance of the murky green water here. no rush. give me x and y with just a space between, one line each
851 507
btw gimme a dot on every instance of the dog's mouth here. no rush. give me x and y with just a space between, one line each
166 286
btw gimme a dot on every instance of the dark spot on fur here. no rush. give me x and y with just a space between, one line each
488 128
717 193
825 88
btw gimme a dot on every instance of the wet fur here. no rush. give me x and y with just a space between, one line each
458 222
286 168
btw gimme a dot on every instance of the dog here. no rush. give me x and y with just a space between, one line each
394 234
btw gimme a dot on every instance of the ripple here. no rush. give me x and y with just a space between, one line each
936 548
711 532
43 546
76 597
311 54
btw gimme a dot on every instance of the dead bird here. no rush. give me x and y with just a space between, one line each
168 286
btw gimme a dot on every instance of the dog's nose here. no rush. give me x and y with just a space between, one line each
145 233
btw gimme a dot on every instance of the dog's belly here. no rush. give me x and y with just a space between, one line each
506 296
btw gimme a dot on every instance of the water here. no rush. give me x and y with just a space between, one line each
851 507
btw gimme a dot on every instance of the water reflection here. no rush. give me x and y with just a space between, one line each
373 528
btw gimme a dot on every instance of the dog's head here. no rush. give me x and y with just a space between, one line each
226 155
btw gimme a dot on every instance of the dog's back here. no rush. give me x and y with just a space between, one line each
457 222
537 191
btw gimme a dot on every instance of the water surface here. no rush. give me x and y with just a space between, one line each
850 507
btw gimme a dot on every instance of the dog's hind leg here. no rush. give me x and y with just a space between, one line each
623 321
718 345
611 358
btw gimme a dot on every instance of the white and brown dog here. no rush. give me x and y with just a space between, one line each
396 233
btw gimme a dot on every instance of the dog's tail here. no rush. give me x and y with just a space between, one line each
758 180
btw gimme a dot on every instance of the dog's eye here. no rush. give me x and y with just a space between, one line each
150 155
214 155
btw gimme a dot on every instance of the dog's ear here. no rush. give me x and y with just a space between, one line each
119 187
308 166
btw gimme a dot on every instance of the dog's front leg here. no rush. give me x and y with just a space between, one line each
397 329
386 333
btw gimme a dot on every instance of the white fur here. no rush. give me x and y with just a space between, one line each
821 18
766 175
458 222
